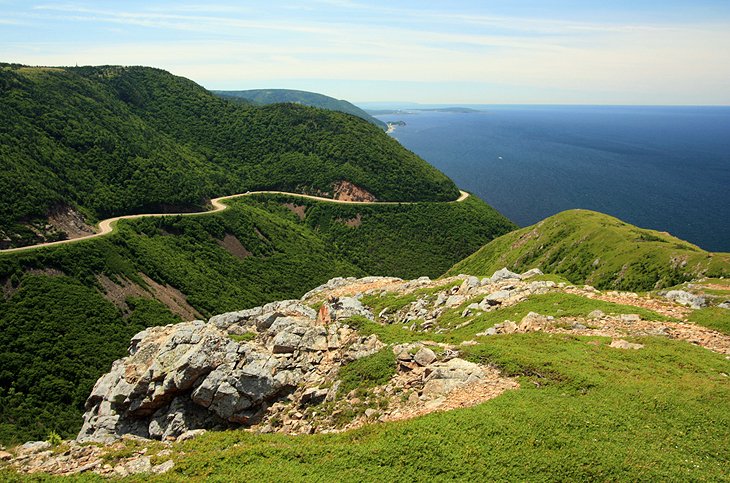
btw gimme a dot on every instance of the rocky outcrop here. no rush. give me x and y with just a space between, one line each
194 375
685 298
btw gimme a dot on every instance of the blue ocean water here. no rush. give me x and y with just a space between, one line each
666 168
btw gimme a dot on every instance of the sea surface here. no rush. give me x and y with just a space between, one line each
666 168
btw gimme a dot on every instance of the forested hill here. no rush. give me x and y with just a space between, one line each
273 96
111 140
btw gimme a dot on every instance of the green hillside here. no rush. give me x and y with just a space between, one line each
117 140
274 96
67 312
600 250
407 241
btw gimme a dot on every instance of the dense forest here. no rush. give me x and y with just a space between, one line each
67 312
117 140
313 99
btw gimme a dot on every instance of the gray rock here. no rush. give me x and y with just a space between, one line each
533 272
424 356
191 376
32 447
532 322
724 305
683 297
313 396
346 307
497 297
193 433
504 274
223 321
468 285
163 467
454 301
596 314
630 318
138 465
444 377
285 342
622 344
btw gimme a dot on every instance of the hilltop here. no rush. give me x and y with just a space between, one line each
589 247
80 144
313 99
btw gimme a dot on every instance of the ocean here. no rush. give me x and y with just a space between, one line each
665 168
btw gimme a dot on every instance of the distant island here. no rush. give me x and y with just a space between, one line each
384 112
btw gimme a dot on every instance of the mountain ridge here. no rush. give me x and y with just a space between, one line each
312 99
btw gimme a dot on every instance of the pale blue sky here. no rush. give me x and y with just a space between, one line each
502 51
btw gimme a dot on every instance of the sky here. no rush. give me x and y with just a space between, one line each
670 52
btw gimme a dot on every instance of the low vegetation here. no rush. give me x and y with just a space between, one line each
367 372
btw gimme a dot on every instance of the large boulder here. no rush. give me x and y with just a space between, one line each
444 377
192 375
504 274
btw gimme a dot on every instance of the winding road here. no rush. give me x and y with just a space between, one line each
107 226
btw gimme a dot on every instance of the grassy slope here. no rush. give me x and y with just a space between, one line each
288 257
313 99
112 140
597 249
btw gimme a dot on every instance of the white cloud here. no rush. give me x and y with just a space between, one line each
543 59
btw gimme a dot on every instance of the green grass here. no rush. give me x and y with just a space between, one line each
369 371
387 333
245 337
589 247
712 317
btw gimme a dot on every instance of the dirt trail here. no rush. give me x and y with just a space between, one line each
107 226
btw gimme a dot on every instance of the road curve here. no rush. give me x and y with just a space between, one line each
107 226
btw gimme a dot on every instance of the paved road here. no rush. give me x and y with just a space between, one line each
107 226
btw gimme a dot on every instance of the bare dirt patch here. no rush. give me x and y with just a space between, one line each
492 385
233 246
346 191
299 210
663 307
69 221
118 291
352 222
